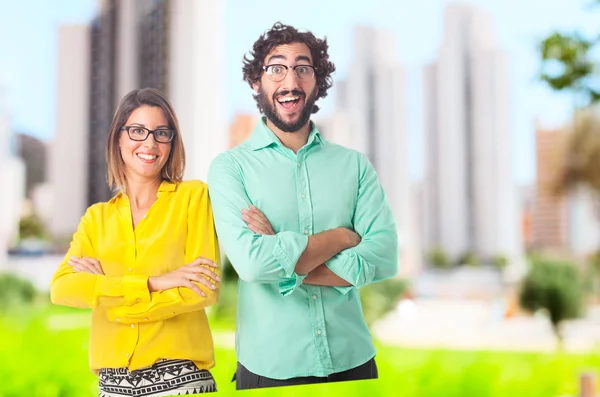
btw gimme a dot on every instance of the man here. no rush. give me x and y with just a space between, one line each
304 222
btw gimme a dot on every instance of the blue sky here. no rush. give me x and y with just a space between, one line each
28 33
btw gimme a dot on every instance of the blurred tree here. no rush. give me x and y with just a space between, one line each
469 258
31 226
229 272
380 298
499 261
555 287
438 259
569 64
15 291
226 307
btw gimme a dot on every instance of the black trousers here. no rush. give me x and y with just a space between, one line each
244 379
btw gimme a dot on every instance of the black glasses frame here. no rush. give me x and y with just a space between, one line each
287 69
148 132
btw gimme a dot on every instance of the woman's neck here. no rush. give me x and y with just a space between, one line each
142 192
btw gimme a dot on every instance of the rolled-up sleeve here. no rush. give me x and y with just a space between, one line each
376 257
256 258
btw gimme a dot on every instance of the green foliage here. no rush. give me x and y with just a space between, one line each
555 287
469 258
226 307
438 259
380 298
499 261
229 272
566 64
15 292
32 227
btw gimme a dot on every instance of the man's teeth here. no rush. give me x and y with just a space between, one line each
288 99
147 156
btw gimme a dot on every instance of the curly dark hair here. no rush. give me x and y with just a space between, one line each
281 34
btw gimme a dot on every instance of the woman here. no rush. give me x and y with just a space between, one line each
146 262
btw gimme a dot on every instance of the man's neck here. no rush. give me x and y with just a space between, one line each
292 140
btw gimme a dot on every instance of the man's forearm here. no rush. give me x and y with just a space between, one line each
322 247
323 276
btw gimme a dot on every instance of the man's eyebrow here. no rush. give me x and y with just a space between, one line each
276 56
303 58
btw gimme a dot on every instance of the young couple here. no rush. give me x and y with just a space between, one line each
304 222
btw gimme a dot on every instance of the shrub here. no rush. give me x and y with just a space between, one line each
380 298
15 291
555 287
438 259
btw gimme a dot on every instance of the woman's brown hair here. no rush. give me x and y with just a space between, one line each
175 165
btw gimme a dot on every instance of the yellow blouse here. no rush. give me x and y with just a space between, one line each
132 327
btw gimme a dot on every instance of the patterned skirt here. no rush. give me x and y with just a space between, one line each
164 378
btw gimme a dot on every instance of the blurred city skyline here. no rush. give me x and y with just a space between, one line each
28 62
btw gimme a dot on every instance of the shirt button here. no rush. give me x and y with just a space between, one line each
314 297
145 216
130 269
306 232
130 241
137 300
146 318
127 355
118 319
303 196
298 164
132 325
318 332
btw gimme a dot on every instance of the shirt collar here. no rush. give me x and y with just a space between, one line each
165 186
263 137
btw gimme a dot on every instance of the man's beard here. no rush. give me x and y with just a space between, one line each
270 109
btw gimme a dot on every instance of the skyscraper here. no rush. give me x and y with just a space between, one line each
69 154
371 117
471 196
12 175
194 80
173 46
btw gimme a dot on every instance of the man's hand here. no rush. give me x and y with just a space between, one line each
353 237
257 221
86 265
184 277
259 224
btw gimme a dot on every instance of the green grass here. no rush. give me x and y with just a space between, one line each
41 359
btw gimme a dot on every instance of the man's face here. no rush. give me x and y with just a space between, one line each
288 103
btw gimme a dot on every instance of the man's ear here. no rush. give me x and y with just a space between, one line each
256 86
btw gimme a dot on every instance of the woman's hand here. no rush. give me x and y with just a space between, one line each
86 265
185 276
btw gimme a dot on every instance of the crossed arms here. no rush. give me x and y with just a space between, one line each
337 257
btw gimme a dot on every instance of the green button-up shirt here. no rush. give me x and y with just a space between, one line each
285 328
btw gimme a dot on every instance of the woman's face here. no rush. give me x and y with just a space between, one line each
145 158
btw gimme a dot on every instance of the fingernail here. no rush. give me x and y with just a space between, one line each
202 292
212 287
73 257
217 278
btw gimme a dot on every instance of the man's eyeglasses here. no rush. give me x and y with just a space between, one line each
277 72
161 135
